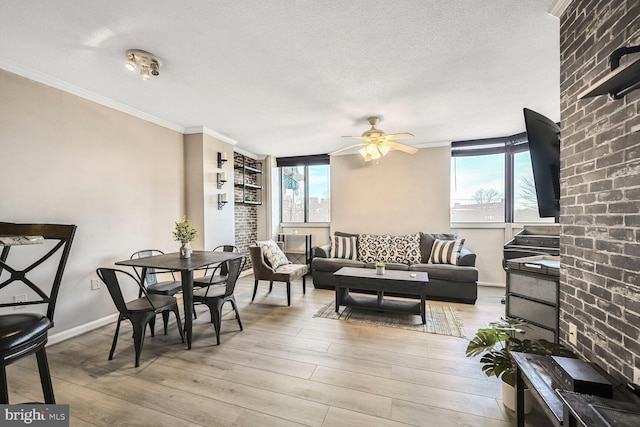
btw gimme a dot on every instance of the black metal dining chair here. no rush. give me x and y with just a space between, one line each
23 334
214 274
216 295
140 312
217 273
166 287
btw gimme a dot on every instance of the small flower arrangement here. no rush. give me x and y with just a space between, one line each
380 264
184 231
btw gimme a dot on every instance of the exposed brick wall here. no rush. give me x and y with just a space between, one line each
246 216
600 189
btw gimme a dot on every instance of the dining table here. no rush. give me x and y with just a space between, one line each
186 267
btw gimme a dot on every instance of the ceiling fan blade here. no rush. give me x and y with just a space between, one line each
355 137
402 147
394 136
348 148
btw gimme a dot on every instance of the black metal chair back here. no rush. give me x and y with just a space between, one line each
151 277
22 334
110 279
224 268
235 267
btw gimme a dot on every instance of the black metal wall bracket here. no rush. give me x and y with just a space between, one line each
621 80
614 61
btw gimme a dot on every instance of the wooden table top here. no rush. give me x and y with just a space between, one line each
172 261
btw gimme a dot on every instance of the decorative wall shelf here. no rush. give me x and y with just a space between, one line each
249 180
620 81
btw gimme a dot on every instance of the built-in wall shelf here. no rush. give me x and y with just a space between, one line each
620 81
247 181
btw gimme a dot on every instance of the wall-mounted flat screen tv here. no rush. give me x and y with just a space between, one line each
544 147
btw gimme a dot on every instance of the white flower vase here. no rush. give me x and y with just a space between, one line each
379 270
509 398
185 250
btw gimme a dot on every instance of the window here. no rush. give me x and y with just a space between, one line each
525 203
492 181
477 188
305 189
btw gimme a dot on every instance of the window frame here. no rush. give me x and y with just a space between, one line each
509 146
303 162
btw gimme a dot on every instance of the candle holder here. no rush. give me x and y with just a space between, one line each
222 200
222 178
222 157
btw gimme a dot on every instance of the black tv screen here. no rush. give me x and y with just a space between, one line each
544 147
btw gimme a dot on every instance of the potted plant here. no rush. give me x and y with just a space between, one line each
379 267
496 342
185 233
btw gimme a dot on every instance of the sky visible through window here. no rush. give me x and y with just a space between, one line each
478 186
300 207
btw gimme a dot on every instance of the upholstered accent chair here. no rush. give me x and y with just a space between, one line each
284 273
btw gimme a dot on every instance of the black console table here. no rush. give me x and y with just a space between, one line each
535 372
582 410
540 375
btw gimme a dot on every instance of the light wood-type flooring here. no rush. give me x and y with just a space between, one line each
286 368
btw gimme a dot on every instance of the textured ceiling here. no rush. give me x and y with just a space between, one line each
287 77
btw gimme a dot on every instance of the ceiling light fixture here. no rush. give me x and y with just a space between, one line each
376 143
149 64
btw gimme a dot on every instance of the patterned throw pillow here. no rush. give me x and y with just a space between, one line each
272 252
405 249
446 251
343 247
374 248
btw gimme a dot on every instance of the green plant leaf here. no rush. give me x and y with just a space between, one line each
484 340
496 343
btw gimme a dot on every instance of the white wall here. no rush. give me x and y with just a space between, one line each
215 226
64 159
401 194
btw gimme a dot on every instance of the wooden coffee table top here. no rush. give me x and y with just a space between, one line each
370 273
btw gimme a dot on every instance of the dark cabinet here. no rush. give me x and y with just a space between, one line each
533 296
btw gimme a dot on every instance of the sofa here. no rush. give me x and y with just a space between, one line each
454 280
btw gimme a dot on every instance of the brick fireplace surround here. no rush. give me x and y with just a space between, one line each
600 189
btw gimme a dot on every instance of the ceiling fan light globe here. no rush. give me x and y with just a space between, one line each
363 153
144 72
384 149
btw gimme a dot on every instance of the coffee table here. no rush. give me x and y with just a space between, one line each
409 283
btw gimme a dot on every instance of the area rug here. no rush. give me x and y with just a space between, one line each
441 319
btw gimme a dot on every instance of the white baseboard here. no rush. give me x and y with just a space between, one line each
492 284
79 330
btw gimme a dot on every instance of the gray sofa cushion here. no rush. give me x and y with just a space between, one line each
452 273
426 243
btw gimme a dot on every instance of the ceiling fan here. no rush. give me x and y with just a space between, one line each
376 143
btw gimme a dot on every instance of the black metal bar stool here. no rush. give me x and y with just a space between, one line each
22 334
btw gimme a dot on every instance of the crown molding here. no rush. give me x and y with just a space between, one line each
558 7
39 77
247 153
210 132
433 144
